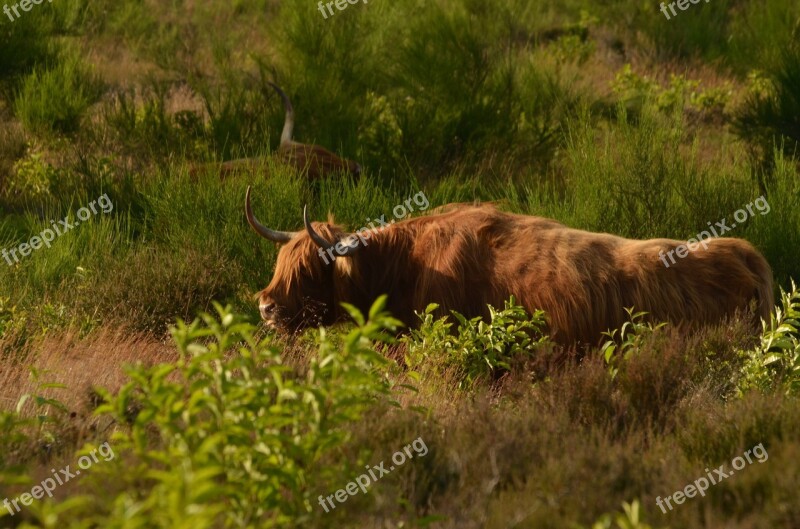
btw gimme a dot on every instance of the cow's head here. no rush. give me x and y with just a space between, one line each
302 292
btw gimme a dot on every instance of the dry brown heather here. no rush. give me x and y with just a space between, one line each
78 363
544 455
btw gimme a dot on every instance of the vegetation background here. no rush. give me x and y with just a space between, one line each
603 115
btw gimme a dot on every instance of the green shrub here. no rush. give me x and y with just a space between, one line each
56 99
480 350
230 435
774 364
643 181
632 336
777 235
148 132
681 93
20 429
242 116
34 178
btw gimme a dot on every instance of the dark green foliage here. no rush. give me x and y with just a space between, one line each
772 120
24 42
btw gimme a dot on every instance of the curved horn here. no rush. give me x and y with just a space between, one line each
351 244
270 235
288 122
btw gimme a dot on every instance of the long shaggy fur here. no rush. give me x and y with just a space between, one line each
474 256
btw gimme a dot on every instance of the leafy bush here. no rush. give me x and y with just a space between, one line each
480 350
229 435
573 43
12 437
632 336
18 432
775 362
55 99
680 94
34 178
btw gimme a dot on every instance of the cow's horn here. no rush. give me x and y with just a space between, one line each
319 240
271 235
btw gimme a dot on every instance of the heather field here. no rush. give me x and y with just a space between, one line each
139 387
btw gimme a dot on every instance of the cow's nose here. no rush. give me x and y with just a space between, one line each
267 309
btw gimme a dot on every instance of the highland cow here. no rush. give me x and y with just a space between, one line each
473 256
314 161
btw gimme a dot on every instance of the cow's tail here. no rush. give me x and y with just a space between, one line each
288 123
764 290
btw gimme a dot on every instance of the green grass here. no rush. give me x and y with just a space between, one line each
25 42
648 190
771 120
55 98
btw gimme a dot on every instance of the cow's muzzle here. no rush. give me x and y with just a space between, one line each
267 309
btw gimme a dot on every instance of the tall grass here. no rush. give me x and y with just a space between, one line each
733 34
176 244
56 99
25 42
449 85
772 120
760 33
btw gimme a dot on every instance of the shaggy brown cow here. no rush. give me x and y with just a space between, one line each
316 161
472 256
